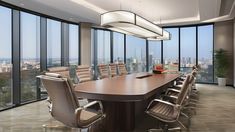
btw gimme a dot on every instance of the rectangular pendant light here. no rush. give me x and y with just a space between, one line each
166 36
130 23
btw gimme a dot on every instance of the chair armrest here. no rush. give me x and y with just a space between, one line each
94 103
172 90
179 86
170 98
161 101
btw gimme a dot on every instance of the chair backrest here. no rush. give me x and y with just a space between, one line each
194 73
122 69
63 71
84 73
191 83
184 91
103 71
64 102
113 69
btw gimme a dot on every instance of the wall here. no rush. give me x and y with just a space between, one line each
223 38
85 36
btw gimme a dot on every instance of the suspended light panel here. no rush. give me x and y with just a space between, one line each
130 23
166 36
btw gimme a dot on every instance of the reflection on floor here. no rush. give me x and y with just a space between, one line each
215 113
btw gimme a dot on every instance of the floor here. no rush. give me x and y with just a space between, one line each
215 113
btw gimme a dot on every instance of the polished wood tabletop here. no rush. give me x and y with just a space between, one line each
132 87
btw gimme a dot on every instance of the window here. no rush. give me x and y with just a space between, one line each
30 55
53 43
135 54
103 46
73 44
171 50
5 58
118 47
154 53
187 48
205 53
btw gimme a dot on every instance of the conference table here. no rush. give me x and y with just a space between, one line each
120 94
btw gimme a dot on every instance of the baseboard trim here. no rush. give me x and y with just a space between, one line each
230 85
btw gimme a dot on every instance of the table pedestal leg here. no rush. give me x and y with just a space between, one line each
120 116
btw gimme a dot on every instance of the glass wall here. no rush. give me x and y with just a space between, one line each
154 53
53 43
135 54
171 50
103 46
118 47
101 43
30 63
30 55
187 48
73 44
205 53
5 58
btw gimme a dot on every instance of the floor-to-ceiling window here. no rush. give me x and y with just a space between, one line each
73 44
53 43
30 42
103 46
205 53
5 57
118 47
187 48
135 54
154 53
171 50
30 55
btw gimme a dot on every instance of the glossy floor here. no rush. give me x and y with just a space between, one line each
215 113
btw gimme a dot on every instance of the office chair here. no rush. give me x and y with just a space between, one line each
167 112
84 73
64 71
64 104
122 69
113 69
103 71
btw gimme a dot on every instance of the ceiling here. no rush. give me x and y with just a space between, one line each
162 12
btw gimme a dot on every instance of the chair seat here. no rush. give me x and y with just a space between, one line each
164 112
87 116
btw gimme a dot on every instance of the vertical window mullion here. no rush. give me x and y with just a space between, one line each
16 56
179 49
111 46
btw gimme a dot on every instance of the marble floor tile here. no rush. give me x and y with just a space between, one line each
215 113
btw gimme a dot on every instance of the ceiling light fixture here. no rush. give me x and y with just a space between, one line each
128 22
166 36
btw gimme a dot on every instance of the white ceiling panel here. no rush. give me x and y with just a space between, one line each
164 12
